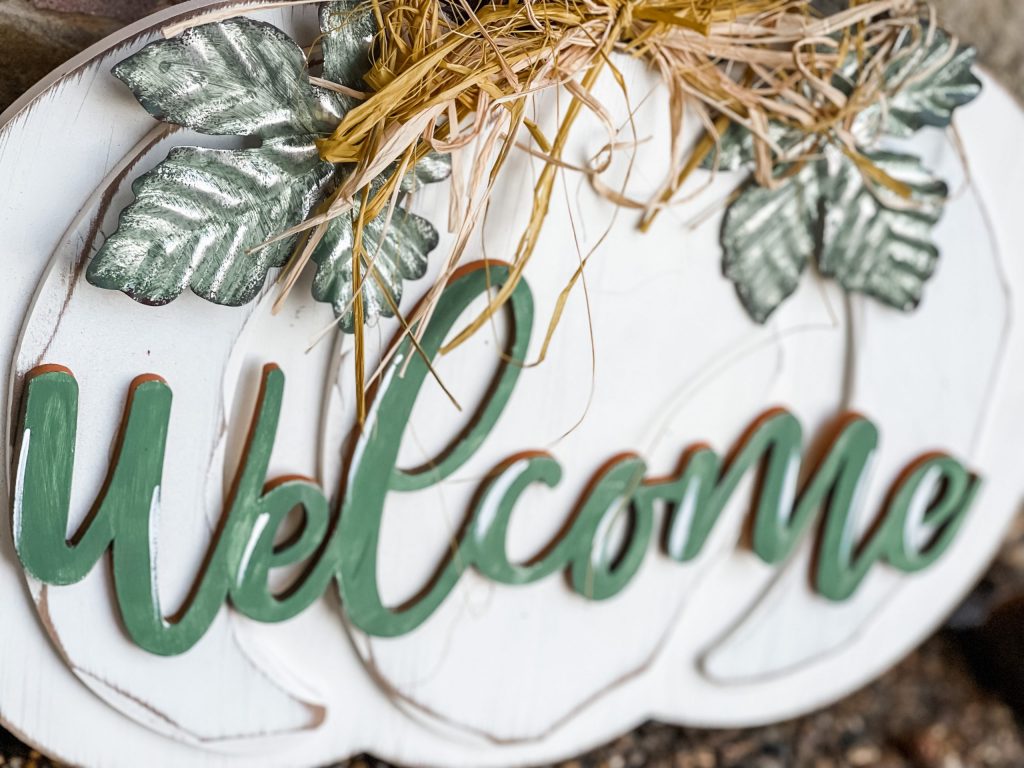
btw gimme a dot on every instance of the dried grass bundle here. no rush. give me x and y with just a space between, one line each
449 74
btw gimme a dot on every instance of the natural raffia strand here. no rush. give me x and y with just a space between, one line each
449 75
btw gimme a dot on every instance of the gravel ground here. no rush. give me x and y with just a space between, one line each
956 703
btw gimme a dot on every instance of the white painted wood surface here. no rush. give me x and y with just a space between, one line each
499 675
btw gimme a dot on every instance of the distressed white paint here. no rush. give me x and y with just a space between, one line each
499 675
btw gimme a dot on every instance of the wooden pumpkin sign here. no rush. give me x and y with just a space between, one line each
766 448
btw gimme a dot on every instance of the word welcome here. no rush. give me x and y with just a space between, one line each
920 519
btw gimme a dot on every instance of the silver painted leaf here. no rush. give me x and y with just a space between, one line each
768 236
874 248
431 169
347 28
925 89
869 246
735 148
830 7
238 77
197 214
397 253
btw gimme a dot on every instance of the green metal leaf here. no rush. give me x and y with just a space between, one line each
768 236
735 148
867 238
925 88
431 169
397 253
197 215
873 247
237 77
397 250
347 28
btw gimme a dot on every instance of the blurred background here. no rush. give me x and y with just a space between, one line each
958 702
